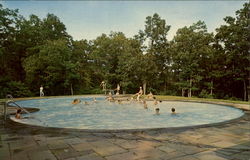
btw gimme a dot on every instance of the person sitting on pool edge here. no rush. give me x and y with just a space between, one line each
18 114
157 111
76 101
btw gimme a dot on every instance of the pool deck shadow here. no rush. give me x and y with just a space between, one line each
223 141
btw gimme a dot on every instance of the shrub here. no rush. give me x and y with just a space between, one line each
16 89
205 94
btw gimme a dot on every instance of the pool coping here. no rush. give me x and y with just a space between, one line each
245 111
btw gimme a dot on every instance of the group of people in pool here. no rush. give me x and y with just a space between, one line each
151 96
157 109
138 95
110 98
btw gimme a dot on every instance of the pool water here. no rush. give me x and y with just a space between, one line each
59 112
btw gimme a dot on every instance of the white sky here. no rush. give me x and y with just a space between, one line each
89 19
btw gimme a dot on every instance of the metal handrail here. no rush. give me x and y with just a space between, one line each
9 96
12 101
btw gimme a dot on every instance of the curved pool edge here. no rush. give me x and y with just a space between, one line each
169 129
246 112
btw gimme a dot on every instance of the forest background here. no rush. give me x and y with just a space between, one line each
195 63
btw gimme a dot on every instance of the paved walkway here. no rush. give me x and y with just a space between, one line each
221 142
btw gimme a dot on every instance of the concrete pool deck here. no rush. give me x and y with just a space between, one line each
224 141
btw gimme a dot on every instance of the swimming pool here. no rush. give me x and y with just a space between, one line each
60 113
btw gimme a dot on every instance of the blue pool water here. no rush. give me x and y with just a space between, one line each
59 112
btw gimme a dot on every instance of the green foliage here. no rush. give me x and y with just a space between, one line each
36 52
205 94
15 88
51 67
92 91
235 45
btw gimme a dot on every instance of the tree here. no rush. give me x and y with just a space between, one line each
235 43
155 34
9 20
80 57
136 68
191 51
51 66
105 54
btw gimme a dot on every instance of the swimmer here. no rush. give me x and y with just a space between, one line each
173 111
157 111
111 99
76 101
155 101
18 114
119 101
86 103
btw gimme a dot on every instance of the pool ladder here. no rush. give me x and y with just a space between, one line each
13 102
23 109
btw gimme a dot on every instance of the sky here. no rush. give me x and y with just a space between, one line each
89 19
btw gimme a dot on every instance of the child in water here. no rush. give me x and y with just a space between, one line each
157 111
86 103
18 114
119 101
173 110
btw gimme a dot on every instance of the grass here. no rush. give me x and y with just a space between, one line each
161 97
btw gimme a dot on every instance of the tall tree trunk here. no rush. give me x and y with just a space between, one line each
182 92
245 90
144 87
211 88
190 88
165 86
71 89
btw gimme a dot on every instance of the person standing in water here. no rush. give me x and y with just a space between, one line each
139 94
41 91
103 85
117 89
